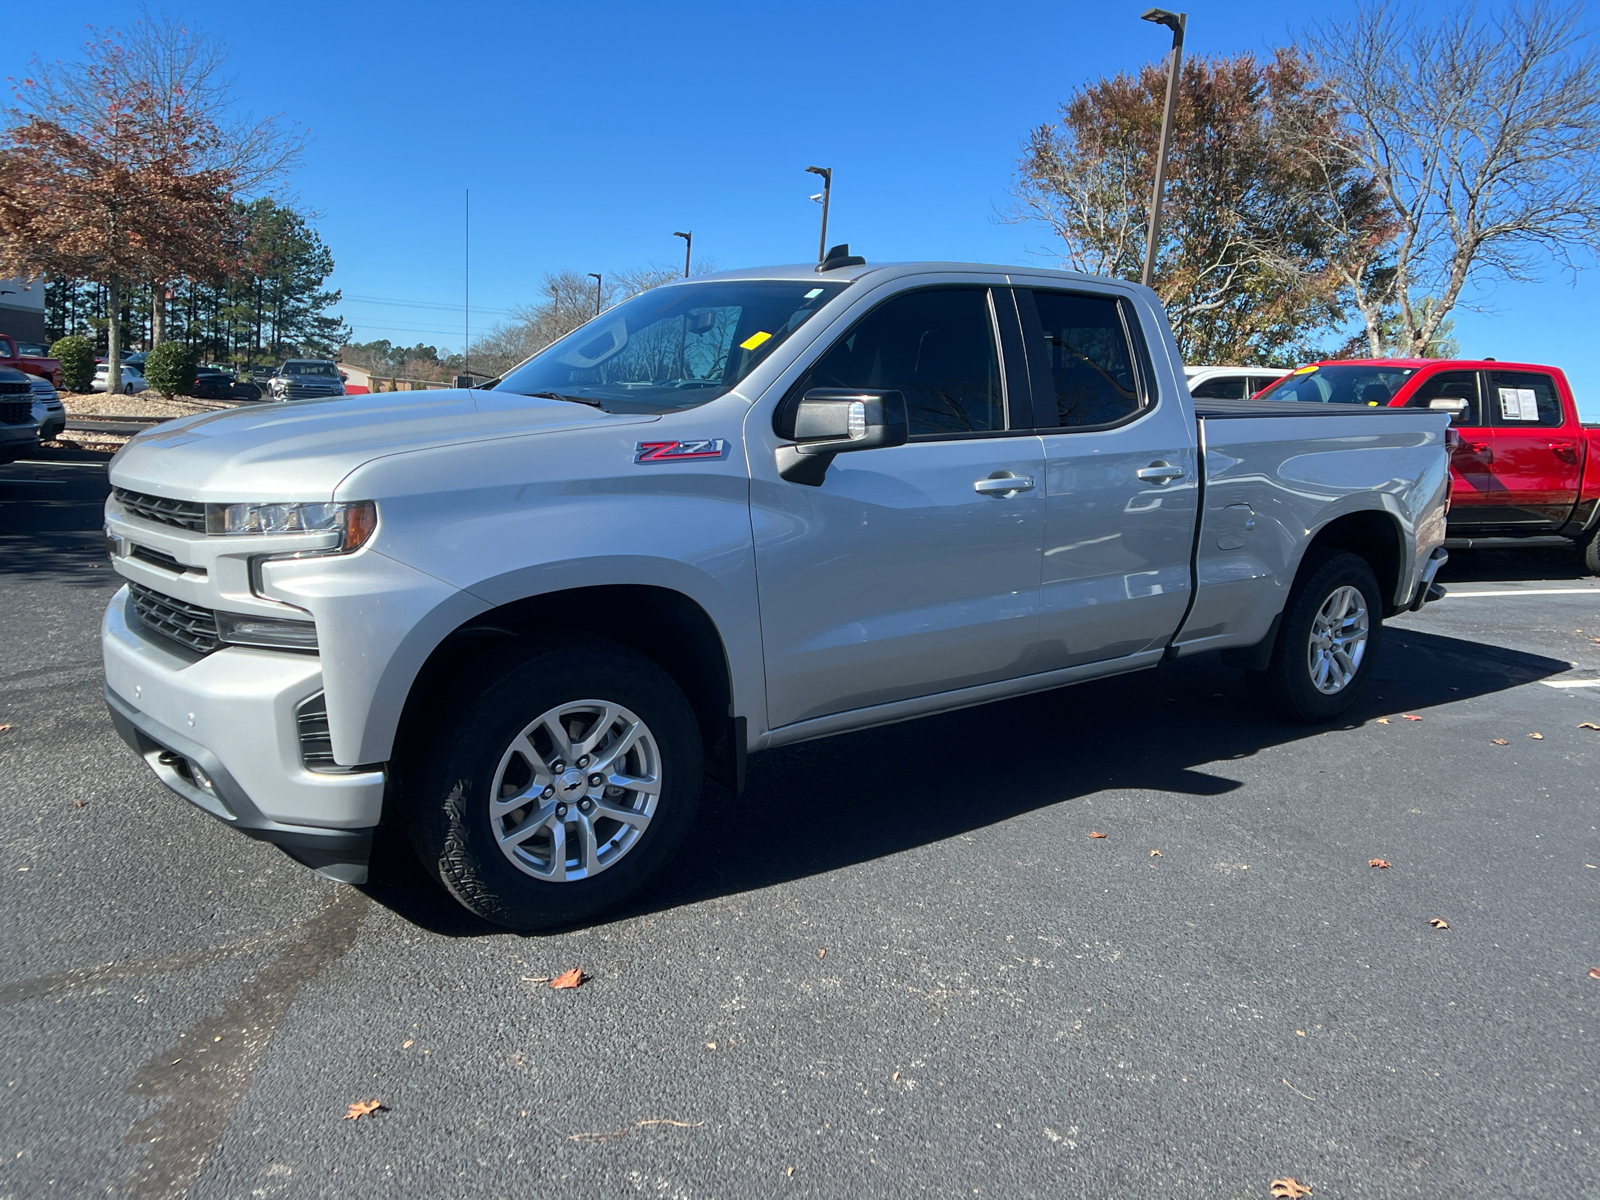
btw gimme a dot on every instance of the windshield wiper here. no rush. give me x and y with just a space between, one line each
570 399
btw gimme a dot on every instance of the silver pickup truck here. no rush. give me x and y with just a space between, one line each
730 514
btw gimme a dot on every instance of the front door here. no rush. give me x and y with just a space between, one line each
1476 501
896 577
1536 456
1121 481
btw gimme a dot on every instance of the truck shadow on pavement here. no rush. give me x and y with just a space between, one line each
824 805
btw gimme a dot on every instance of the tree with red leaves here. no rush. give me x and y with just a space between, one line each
122 169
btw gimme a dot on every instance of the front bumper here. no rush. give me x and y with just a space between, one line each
232 714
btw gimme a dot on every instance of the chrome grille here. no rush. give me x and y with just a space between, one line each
187 624
185 514
15 387
308 391
316 743
17 412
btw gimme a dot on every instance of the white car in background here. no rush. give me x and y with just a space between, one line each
1230 383
132 380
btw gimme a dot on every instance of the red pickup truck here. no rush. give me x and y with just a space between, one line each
11 355
1526 471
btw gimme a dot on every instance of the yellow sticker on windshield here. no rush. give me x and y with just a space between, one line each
754 340
1302 370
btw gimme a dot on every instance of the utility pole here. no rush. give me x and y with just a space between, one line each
466 293
1175 22
596 279
822 197
688 245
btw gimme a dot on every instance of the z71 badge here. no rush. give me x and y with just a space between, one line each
682 451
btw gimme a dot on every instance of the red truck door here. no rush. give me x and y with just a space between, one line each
1538 451
1475 499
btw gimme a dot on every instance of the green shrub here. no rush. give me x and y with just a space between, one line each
77 362
170 368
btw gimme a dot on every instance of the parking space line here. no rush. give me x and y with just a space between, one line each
1570 683
1452 595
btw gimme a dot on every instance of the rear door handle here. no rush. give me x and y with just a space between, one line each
1159 472
1003 485
1565 450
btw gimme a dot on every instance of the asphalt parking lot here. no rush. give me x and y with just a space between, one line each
898 966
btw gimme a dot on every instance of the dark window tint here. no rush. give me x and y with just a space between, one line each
1220 387
1451 385
1086 348
1524 399
937 347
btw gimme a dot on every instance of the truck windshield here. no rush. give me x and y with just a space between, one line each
1357 383
672 347
309 368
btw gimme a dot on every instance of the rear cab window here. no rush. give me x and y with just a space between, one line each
1524 399
1086 359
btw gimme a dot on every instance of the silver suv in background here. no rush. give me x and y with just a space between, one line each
18 433
306 379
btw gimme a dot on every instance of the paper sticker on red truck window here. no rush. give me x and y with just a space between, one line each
681 451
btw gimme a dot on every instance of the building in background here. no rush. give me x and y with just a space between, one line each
22 309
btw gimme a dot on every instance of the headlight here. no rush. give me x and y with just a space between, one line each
273 633
353 521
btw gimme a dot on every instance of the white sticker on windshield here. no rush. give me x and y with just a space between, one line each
1519 404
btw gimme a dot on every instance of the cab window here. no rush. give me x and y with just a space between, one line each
1524 399
1084 344
1451 385
937 347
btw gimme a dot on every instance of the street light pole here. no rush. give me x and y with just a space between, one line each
596 279
827 188
1175 22
688 245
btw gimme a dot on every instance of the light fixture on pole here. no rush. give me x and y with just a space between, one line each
596 279
688 245
822 197
1175 22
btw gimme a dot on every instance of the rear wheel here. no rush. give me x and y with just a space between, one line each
1327 640
563 790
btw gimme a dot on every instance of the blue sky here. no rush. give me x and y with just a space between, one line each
589 133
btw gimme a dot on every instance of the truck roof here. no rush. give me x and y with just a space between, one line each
1485 364
894 270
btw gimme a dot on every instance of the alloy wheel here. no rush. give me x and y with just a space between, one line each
1339 635
575 790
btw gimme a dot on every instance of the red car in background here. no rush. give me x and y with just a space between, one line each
1526 470
11 355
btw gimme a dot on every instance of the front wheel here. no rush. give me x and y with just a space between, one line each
1589 550
563 790
1327 640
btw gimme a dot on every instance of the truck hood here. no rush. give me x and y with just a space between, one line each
302 449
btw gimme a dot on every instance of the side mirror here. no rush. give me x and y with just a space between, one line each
1453 405
831 421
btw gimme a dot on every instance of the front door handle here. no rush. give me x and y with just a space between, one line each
1003 485
1480 450
1159 472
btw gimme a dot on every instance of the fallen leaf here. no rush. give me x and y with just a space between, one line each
1594 972
1299 1033
1155 854
789 1172
1500 741
568 979
1096 833
1290 1188
1381 863
1439 923
1412 717
408 1043
364 1108
711 1045
1538 737
1587 725
3 728
1383 720
823 953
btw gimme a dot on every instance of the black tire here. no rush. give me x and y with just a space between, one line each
1286 687
446 799
1589 551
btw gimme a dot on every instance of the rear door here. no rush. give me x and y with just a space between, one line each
1537 452
897 577
1120 479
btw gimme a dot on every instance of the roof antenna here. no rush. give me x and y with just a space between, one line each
840 256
